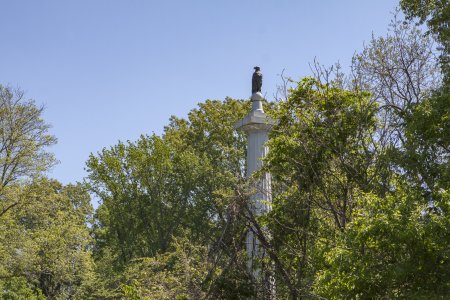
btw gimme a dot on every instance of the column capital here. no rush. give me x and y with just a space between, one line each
255 121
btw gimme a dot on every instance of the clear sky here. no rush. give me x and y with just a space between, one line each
113 70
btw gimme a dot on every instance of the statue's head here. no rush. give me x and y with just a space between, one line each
257 68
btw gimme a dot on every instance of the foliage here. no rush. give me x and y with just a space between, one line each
318 157
426 157
44 238
19 288
146 195
400 71
158 188
176 274
395 247
361 174
46 242
436 14
23 139
348 167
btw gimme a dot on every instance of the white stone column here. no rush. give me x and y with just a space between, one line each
257 126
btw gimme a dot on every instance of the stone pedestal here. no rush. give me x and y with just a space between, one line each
257 126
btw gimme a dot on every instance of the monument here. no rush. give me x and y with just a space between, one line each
257 125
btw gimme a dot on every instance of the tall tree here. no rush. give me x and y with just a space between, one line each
396 244
400 70
319 159
24 138
181 185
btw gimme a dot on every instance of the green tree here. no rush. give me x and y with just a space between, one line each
47 242
160 188
395 247
319 156
360 171
395 243
147 191
436 14
23 140
44 239
176 274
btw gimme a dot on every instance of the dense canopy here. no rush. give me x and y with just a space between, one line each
360 166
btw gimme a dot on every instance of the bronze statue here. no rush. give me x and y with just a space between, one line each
256 80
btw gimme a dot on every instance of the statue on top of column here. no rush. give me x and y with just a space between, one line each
256 80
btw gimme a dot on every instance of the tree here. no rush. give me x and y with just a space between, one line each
177 274
437 15
399 70
44 238
395 244
378 135
395 247
426 153
180 185
23 139
318 159
45 246
360 169
147 191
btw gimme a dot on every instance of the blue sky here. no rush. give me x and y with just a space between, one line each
113 70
